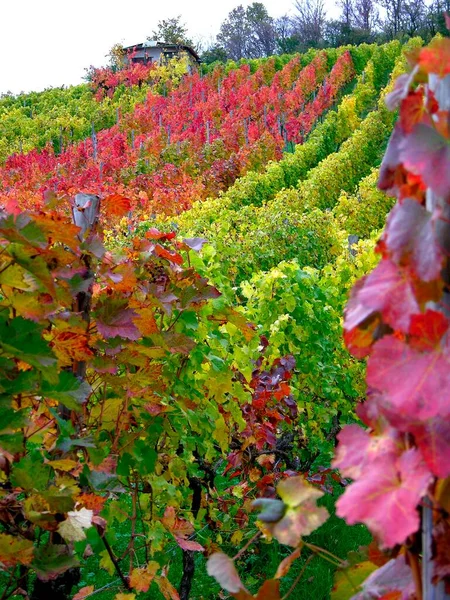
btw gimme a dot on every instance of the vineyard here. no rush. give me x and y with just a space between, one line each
177 254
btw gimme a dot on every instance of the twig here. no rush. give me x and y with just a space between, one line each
115 563
297 579
251 540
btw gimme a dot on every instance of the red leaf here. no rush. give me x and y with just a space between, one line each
412 110
412 382
113 319
155 234
386 495
411 232
433 439
387 290
221 567
427 330
172 256
401 89
189 545
358 449
427 153
386 582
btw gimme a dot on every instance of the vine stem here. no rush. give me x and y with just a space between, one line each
299 576
417 576
115 563
249 543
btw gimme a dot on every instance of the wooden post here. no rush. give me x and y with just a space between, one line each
94 142
85 211
441 90
207 132
246 131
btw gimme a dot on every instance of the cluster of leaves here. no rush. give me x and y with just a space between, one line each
191 143
104 81
117 381
398 317
291 224
338 124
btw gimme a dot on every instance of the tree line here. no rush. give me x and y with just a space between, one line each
250 32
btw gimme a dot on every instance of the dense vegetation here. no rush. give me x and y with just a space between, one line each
182 355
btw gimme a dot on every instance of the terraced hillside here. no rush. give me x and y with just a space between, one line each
268 172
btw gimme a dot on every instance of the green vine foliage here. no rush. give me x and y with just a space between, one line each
117 380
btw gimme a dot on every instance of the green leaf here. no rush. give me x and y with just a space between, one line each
22 339
348 582
52 560
30 473
68 390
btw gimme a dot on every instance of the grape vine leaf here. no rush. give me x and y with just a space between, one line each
426 152
394 576
72 529
410 231
221 567
435 58
347 580
301 515
411 381
114 318
386 495
387 290
141 578
51 560
15 550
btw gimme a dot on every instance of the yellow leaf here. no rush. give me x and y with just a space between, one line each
237 536
64 464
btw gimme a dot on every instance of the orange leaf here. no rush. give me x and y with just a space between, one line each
84 592
71 346
270 590
285 565
116 205
167 589
141 579
92 502
435 58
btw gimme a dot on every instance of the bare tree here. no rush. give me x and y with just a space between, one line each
248 33
286 39
413 17
234 34
365 15
261 26
309 22
394 13
347 12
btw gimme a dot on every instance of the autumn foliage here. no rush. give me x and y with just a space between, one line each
398 317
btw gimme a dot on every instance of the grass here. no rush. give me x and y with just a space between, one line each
260 562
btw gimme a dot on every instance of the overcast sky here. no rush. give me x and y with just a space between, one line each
49 43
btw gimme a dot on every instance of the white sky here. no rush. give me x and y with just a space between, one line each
49 43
